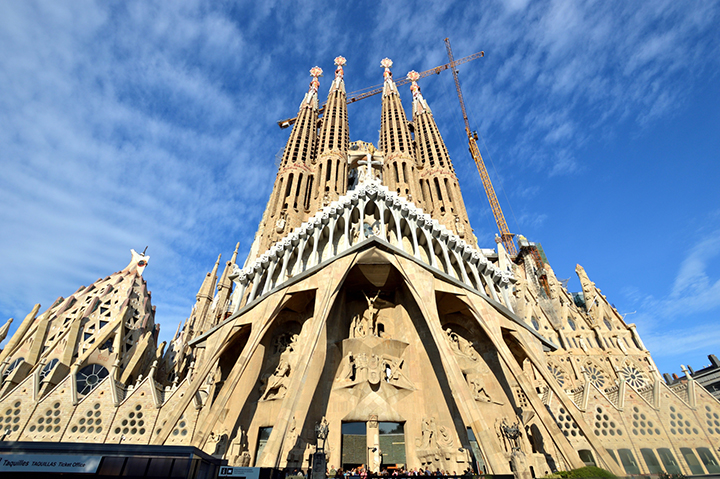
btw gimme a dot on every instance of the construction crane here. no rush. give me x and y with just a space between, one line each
505 235
374 90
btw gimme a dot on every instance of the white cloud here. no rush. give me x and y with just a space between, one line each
138 123
685 317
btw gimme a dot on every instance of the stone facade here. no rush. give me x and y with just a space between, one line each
364 302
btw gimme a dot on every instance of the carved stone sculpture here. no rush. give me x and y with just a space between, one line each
427 440
365 323
444 437
461 346
477 388
275 385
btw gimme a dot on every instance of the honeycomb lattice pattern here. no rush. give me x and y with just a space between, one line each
49 422
712 420
133 424
90 422
10 418
604 425
679 425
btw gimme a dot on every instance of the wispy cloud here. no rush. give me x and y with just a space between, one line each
136 124
678 318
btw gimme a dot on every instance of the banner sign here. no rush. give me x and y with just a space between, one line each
246 472
48 463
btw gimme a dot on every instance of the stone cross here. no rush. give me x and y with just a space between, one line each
369 163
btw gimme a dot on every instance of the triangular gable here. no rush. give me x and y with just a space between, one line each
52 415
135 418
17 407
168 408
93 414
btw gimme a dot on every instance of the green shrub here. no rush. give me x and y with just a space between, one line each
583 473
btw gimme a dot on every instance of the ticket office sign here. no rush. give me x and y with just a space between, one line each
56 463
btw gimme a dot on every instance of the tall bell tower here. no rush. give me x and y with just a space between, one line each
290 200
439 184
396 141
331 162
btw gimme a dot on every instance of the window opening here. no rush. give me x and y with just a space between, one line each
651 460
89 377
263 436
477 458
12 367
708 459
586 456
628 461
668 460
692 460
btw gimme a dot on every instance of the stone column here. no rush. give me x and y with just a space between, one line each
372 434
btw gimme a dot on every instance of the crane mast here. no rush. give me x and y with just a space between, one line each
505 235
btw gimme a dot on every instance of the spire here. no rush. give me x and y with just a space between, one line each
394 130
396 142
311 99
208 284
4 330
339 83
419 105
224 278
388 85
233 258
330 173
290 198
301 144
224 290
199 321
137 264
439 185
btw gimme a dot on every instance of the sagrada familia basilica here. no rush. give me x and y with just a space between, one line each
365 307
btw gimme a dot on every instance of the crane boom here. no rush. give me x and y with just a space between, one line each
505 235
374 90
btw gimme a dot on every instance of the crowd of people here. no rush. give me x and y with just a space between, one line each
361 472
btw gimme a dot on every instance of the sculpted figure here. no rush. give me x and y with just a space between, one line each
477 388
218 443
277 382
365 324
428 433
280 223
361 367
374 369
461 346
347 373
444 437
238 452
276 386
459 227
393 368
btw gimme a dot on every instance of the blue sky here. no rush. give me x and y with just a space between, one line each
126 124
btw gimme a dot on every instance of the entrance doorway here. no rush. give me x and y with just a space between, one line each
477 460
354 444
392 444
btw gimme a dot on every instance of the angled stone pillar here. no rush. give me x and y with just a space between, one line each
329 282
